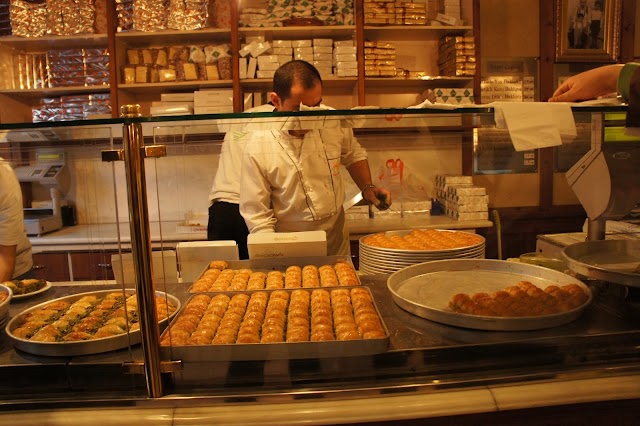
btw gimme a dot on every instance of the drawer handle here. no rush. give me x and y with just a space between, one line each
37 267
104 265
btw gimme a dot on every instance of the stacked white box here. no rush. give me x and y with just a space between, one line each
345 58
323 56
461 199
215 101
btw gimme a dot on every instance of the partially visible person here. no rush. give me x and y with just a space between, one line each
225 221
606 80
291 179
16 260
592 84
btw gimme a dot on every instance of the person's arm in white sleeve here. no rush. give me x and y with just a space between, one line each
255 196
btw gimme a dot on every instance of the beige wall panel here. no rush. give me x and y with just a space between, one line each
509 28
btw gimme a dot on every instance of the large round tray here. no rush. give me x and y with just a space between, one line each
4 306
426 289
84 347
616 261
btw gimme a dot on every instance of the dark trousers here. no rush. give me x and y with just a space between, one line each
226 223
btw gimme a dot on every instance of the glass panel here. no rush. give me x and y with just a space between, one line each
84 326
406 150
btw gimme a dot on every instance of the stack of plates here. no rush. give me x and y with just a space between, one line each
4 306
379 260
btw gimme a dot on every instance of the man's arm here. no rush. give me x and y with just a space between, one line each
7 262
361 175
588 85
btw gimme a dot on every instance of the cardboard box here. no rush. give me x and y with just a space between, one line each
195 256
287 244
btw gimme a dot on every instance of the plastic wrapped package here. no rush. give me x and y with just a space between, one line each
5 18
150 15
73 107
78 67
32 71
214 53
220 13
28 18
224 68
68 17
208 72
187 15
124 15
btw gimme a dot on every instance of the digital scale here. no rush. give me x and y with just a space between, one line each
48 171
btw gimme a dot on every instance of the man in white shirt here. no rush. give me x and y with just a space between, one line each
15 249
225 221
291 179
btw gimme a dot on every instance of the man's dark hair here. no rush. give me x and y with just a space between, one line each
292 72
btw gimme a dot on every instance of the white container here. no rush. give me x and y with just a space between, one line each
194 256
287 244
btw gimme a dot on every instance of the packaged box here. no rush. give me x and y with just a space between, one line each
287 244
218 97
454 96
213 109
177 97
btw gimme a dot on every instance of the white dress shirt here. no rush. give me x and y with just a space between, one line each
292 184
226 183
12 230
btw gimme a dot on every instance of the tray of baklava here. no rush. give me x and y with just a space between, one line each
278 273
85 323
297 323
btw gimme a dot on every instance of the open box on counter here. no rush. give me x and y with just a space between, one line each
177 342
342 266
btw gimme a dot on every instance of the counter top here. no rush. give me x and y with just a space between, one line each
106 236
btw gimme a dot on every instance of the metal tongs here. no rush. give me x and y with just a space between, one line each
381 204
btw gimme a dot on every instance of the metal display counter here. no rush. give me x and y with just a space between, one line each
424 356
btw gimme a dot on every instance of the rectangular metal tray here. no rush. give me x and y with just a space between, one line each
272 351
282 263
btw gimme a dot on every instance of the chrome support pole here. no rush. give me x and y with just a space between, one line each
133 143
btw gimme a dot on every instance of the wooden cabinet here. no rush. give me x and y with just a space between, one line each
51 266
90 266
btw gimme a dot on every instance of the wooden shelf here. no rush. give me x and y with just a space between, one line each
413 32
36 44
411 82
174 86
174 37
334 31
52 92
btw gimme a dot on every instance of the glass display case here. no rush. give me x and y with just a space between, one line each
136 187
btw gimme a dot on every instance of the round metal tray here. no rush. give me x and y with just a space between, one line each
84 347
426 289
615 261
4 306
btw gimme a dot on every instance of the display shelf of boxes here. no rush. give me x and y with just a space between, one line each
416 27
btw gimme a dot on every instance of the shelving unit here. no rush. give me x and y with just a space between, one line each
338 92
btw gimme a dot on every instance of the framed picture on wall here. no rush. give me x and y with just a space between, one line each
587 30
